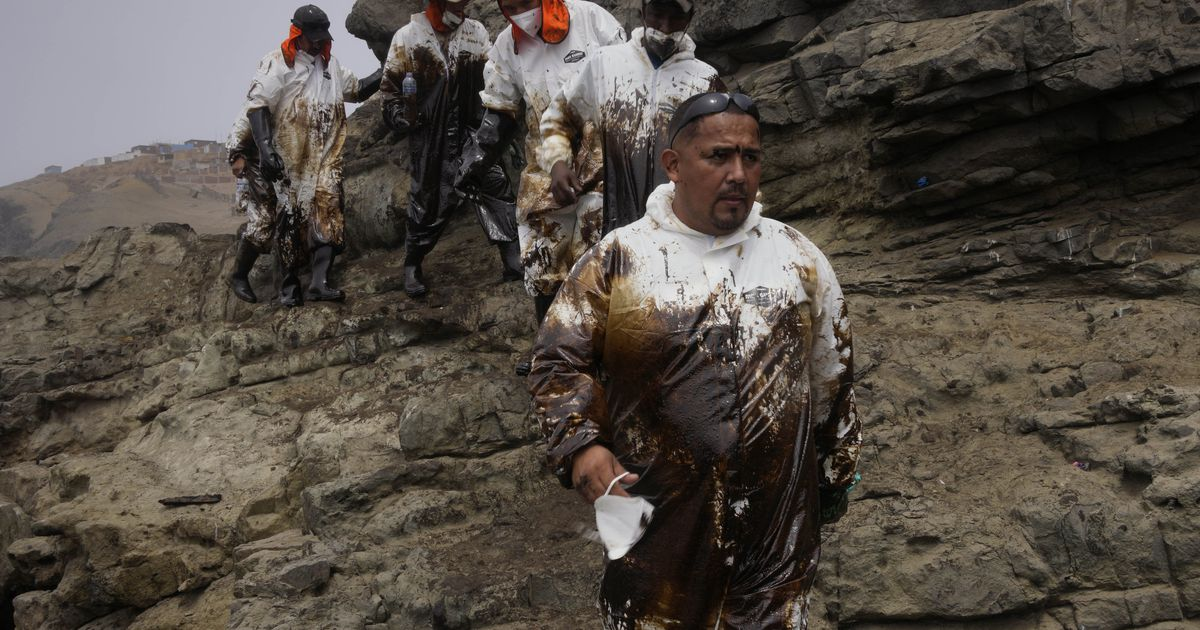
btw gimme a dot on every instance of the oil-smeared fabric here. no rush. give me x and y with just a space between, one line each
448 69
308 114
254 196
631 103
720 370
529 80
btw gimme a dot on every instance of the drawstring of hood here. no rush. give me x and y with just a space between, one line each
291 45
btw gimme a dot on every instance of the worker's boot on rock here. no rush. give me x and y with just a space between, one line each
510 257
289 290
414 279
319 289
243 262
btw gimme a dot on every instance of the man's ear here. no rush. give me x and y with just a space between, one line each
670 162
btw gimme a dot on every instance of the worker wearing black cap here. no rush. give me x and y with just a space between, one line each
296 119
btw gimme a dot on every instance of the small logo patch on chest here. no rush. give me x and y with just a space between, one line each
575 56
764 297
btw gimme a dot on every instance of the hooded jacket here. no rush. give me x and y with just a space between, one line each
448 70
631 103
306 98
533 73
720 370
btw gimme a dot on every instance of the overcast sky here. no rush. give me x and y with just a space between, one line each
88 78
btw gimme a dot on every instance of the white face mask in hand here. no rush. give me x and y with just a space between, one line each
621 521
529 21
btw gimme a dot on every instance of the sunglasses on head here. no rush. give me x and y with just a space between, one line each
708 104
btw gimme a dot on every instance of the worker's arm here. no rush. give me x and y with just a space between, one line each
502 98
562 122
837 429
398 64
565 382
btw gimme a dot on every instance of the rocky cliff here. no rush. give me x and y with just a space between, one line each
1008 192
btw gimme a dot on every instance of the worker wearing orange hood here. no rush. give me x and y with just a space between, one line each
296 117
439 57
530 62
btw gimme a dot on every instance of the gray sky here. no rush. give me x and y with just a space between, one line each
89 78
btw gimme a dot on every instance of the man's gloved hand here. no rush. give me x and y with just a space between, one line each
835 501
396 117
271 165
269 161
471 167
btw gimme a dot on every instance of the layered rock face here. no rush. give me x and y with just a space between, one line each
1026 329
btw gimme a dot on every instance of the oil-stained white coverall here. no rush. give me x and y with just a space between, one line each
630 102
720 370
532 72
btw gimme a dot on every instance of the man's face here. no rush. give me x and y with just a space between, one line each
458 8
309 46
516 7
665 17
716 169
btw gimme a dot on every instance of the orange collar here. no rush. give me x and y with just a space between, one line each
434 12
556 23
289 47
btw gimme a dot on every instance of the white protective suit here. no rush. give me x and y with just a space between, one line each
631 103
552 237
308 115
720 370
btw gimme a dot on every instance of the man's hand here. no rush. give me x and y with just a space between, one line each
564 184
271 165
595 467
238 166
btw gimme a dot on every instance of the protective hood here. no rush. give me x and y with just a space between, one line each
435 11
659 207
290 46
556 23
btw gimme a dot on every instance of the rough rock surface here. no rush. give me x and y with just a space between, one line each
1026 332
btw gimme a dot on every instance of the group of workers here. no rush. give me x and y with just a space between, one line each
693 371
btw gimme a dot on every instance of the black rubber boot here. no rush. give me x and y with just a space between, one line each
541 306
319 289
289 290
243 262
414 280
510 257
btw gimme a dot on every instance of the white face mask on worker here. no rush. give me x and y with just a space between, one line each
621 521
451 19
530 21
662 44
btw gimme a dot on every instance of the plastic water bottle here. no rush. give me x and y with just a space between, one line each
409 86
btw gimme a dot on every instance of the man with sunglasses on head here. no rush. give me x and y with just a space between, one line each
291 147
696 368
548 44
628 93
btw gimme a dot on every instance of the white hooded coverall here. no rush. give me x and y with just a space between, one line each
720 370
630 102
552 237
308 116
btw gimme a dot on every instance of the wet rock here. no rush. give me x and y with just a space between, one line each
448 421
40 562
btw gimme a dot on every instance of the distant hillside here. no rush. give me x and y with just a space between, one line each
50 215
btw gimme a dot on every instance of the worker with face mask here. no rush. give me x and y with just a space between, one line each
548 44
628 93
431 84
296 121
